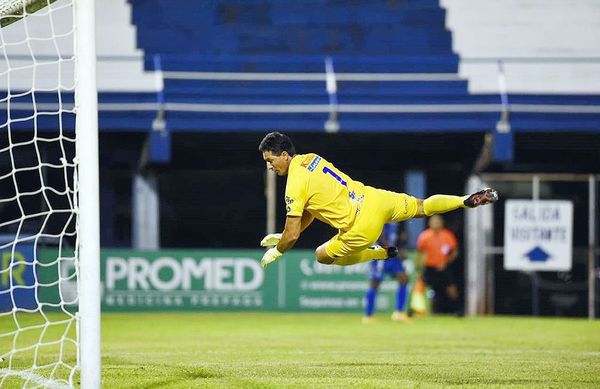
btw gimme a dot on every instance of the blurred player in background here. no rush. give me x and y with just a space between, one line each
437 248
392 267
317 189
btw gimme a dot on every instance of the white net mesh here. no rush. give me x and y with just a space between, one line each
38 209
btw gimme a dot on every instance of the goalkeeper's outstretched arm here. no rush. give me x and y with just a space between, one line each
289 236
273 238
291 233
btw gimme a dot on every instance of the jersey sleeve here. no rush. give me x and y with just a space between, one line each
296 193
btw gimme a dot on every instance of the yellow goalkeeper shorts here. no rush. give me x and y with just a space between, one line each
378 208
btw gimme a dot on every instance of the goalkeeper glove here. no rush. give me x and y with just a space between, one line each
270 240
271 255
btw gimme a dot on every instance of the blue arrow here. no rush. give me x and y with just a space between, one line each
537 255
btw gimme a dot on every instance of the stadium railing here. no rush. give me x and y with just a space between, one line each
204 93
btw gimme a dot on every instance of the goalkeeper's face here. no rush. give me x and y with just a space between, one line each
280 164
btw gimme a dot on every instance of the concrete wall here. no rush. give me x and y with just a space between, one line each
550 46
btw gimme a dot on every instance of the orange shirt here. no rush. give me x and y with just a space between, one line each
436 246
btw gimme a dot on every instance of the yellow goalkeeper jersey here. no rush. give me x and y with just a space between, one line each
319 187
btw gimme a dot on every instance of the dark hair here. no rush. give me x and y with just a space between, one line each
277 143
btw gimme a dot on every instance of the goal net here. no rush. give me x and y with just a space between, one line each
41 327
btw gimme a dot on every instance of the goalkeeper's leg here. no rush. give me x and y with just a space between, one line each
365 255
335 252
440 203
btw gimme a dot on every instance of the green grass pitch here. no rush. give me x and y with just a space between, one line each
302 350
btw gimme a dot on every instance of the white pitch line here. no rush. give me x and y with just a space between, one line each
38 379
381 352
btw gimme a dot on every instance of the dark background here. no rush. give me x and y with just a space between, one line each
212 192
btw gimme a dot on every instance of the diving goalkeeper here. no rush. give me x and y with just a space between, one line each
317 189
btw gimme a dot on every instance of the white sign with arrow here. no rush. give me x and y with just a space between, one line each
538 235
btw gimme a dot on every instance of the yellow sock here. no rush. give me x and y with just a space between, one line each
442 203
362 256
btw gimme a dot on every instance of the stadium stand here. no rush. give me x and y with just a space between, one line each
379 37
232 65
276 36
550 54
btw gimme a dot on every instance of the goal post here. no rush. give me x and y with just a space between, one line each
49 195
86 129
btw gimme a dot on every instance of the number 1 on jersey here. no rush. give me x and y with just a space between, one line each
339 179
